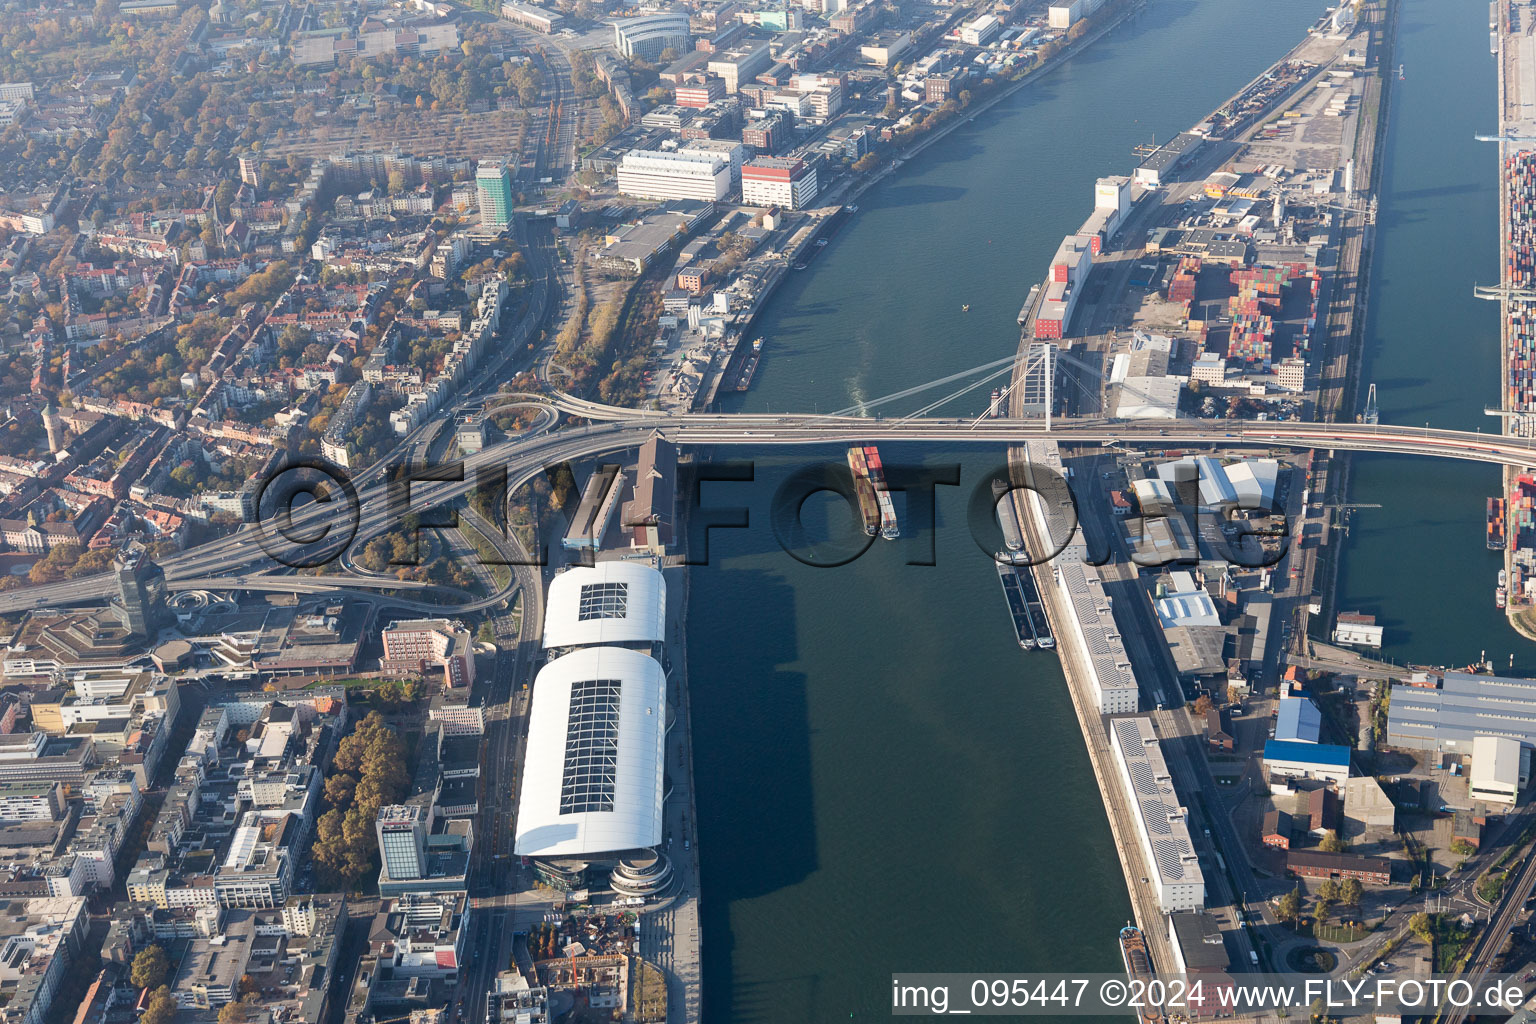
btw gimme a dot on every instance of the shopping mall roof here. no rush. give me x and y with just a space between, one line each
592 781
609 603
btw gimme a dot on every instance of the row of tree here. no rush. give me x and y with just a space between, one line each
367 773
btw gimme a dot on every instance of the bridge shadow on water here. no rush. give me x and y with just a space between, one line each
752 759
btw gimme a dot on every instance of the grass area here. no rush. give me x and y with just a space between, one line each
1452 943
1491 886
501 575
650 993
1337 931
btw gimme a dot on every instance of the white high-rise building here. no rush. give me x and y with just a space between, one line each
654 175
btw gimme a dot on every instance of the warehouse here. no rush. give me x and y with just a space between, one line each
1316 864
593 777
1501 767
1161 823
1295 760
1298 721
612 602
1159 166
1465 706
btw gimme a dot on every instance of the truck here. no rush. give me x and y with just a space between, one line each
1253 957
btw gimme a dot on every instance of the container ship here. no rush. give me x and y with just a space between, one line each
1496 524
875 503
1138 966
1018 607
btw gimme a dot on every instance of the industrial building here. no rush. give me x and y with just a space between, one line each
1248 483
594 513
1069 270
1162 824
1298 721
1355 628
649 515
612 602
1464 707
1065 15
981 31
1159 166
1501 768
776 181
1295 760
648 36
593 778
649 174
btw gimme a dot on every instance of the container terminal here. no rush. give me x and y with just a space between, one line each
1510 24
1225 258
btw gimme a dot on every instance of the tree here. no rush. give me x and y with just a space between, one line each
1332 843
161 1008
487 632
237 1011
1319 914
1289 906
1423 928
1202 706
1351 891
1327 891
149 968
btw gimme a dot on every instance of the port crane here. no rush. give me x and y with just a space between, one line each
1503 293
1507 137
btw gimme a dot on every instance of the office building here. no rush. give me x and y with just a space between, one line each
402 832
774 181
654 175
494 183
412 646
649 36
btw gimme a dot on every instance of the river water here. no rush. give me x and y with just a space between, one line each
1420 563
884 781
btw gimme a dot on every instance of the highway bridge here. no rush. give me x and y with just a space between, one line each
209 566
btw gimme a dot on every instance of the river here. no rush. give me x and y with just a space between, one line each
1420 563
884 781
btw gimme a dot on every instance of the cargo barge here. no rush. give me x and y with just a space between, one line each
1496 524
1008 522
749 367
1138 967
1018 607
1036 611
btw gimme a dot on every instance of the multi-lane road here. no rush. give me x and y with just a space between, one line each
524 457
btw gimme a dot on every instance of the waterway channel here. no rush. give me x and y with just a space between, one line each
1420 563
884 781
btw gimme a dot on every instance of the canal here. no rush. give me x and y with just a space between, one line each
1420 563
885 781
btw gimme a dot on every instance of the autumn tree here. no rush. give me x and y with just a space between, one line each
149 967
161 1008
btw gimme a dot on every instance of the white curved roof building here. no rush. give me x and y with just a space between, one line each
609 603
592 779
648 36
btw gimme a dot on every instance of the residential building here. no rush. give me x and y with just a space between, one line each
494 183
